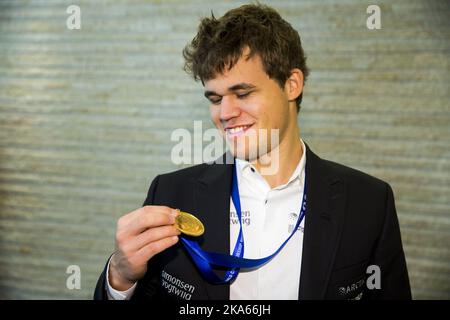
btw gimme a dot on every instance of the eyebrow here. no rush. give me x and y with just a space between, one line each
236 87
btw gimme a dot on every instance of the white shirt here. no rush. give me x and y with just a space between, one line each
268 217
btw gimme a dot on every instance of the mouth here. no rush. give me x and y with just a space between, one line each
237 131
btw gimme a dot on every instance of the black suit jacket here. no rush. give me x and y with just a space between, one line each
350 224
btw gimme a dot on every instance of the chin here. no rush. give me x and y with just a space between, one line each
244 154
247 147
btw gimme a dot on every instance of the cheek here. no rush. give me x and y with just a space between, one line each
260 112
253 109
215 115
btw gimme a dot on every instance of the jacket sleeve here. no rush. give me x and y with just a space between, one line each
146 288
390 258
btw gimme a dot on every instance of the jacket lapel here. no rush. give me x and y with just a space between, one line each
323 225
212 200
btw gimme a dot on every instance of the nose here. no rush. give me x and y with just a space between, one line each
228 108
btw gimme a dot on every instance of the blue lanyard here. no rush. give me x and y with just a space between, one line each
205 260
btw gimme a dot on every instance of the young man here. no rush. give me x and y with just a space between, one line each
339 223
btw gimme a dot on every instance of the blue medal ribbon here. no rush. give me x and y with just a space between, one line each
205 260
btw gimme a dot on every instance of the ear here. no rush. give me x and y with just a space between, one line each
294 84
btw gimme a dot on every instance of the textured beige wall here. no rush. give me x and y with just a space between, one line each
86 117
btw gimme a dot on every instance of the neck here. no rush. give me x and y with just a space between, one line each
280 168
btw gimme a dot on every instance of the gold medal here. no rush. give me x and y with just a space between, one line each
188 224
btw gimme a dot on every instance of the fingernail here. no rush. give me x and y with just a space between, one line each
175 212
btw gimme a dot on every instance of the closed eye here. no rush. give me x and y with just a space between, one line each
243 95
215 101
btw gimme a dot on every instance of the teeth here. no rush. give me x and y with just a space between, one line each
236 129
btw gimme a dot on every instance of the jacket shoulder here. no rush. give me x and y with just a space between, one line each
355 177
184 174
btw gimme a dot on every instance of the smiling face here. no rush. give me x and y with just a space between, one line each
245 100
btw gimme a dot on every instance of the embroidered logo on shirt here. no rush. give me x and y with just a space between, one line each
246 218
292 221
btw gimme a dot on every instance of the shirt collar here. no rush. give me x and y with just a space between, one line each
246 169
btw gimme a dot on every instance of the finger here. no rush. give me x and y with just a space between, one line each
153 209
143 210
150 219
153 248
151 235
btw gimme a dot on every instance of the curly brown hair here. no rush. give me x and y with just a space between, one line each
219 44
